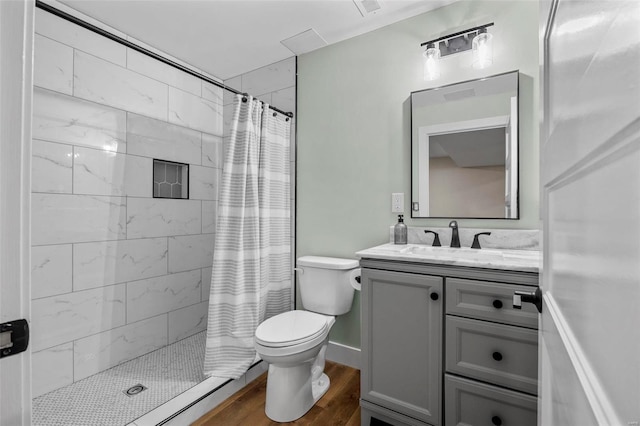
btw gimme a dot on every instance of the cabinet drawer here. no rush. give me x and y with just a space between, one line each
496 353
470 403
489 301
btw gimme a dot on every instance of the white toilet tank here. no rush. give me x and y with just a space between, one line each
325 285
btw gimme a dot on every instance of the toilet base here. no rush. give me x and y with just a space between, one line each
291 392
320 387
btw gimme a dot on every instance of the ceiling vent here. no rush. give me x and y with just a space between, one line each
365 7
304 42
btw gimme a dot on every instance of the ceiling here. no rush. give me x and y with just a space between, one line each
227 38
476 148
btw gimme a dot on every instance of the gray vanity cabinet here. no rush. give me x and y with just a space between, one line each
442 345
402 346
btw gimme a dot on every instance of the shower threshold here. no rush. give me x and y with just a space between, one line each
175 388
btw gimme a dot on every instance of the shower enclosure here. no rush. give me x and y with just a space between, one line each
126 161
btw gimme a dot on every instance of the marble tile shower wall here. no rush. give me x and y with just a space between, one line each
274 84
116 273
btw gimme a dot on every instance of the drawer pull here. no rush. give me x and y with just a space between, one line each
496 420
497 356
434 296
497 304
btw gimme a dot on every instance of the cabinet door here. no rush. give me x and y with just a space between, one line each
402 342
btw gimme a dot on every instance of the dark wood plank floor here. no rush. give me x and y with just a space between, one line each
338 407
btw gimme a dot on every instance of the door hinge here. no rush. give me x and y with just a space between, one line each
14 337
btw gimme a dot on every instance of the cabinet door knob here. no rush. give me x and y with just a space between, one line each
497 304
496 420
497 356
434 296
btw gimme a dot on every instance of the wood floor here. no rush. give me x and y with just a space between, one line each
338 407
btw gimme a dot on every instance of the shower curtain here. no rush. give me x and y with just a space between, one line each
252 272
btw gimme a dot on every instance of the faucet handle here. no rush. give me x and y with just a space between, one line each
436 238
476 242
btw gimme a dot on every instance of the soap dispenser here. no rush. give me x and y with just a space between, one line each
400 232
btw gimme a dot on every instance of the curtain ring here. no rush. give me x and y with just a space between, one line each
244 99
275 114
287 119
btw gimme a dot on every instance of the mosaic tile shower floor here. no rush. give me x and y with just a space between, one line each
99 400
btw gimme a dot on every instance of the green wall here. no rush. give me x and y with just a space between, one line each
353 118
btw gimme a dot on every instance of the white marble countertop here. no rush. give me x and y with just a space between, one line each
502 259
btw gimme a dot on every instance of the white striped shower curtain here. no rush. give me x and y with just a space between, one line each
251 278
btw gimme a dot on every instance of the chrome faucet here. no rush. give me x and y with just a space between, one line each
455 239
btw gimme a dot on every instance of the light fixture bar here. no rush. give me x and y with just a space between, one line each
459 33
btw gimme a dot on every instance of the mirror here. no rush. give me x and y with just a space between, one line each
464 149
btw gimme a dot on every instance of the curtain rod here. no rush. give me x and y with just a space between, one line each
64 15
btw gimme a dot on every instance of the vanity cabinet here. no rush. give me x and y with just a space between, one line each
442 345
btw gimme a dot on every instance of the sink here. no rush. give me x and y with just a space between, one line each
484 258
423 250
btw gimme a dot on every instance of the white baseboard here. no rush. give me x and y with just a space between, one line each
343 354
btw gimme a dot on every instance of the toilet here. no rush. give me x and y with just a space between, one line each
294 343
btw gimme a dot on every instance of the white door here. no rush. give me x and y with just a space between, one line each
590 177
16 47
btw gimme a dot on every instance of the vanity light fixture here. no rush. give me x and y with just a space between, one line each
431 62
476 38
482 49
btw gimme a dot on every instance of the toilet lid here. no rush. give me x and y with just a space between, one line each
291 328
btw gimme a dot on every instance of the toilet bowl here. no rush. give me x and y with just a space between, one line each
294 343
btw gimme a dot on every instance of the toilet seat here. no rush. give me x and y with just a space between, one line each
291 329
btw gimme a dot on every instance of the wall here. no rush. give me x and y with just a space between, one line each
116 273
354 127
16 53
468 191
274 84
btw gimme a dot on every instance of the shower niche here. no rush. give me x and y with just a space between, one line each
170 179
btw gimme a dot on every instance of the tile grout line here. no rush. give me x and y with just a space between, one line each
126 303
63 243
119 283
73 341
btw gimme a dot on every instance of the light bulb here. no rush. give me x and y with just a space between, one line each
431 63
482 49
